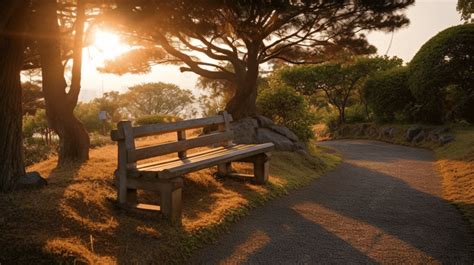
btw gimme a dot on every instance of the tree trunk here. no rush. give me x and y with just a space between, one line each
243 103
11 60
73 137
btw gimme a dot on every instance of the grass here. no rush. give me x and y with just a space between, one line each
454 161
75 218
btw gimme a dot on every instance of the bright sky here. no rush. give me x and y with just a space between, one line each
427 17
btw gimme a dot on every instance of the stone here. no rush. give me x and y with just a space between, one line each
439 131
31 180
285 132
392 132
264 122
245 131
434 137
282 143
444 139
419 137
412 132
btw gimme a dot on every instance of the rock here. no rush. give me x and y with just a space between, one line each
31 180
412 132
385 132
285 132
434 137
419 137
282 143
264 122
392 132
439 131
245 131
444 139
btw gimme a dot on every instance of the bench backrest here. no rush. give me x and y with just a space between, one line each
126 134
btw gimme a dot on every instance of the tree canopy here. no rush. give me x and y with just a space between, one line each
442 75
336 82
205 36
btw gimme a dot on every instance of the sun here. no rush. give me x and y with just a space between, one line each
109 44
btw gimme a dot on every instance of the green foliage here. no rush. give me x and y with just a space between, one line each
88 114
339 83
442 76
285 107
158 99
466 9
151 119
31 98
35 124
387 94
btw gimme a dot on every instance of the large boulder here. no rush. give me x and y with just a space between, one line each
285 132
245 131
262 130
282 143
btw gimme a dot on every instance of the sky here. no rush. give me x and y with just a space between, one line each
427 18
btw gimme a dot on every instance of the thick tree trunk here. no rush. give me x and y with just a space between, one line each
60 104
11 61
243 103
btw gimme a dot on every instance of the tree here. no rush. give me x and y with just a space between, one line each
466 9
337 82
157 99
388 95
442 76
205 36
12 43
60 100
32 98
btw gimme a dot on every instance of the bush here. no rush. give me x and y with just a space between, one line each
388 96
442 76
152 119
285 107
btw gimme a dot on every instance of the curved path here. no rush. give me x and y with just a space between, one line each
383 204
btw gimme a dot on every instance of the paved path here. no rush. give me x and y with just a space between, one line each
381 205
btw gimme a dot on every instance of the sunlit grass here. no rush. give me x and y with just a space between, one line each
75 218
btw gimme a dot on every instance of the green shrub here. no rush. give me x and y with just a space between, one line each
151 119
442 76
388 96
285 107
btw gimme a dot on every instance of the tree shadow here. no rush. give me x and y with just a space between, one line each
358 213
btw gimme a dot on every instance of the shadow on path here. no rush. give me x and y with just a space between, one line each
381 205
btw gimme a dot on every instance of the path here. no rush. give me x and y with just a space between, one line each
381 205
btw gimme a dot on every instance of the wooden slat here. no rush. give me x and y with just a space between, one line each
197 156
182 137
161 128
197 163
163 149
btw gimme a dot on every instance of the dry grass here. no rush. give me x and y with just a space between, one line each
75 218
455 162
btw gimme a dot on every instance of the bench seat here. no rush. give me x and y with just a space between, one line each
175 167
166 176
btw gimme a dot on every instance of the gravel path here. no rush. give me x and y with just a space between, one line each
381 205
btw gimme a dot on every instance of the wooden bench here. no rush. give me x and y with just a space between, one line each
166 176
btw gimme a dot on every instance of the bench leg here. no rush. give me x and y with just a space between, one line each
224 169
122 186
170 197
132 196
261 168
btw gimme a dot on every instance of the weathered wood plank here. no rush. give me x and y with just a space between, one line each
182 137
163 149
161 128
171 170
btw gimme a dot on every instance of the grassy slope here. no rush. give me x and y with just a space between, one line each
455 162
76 219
